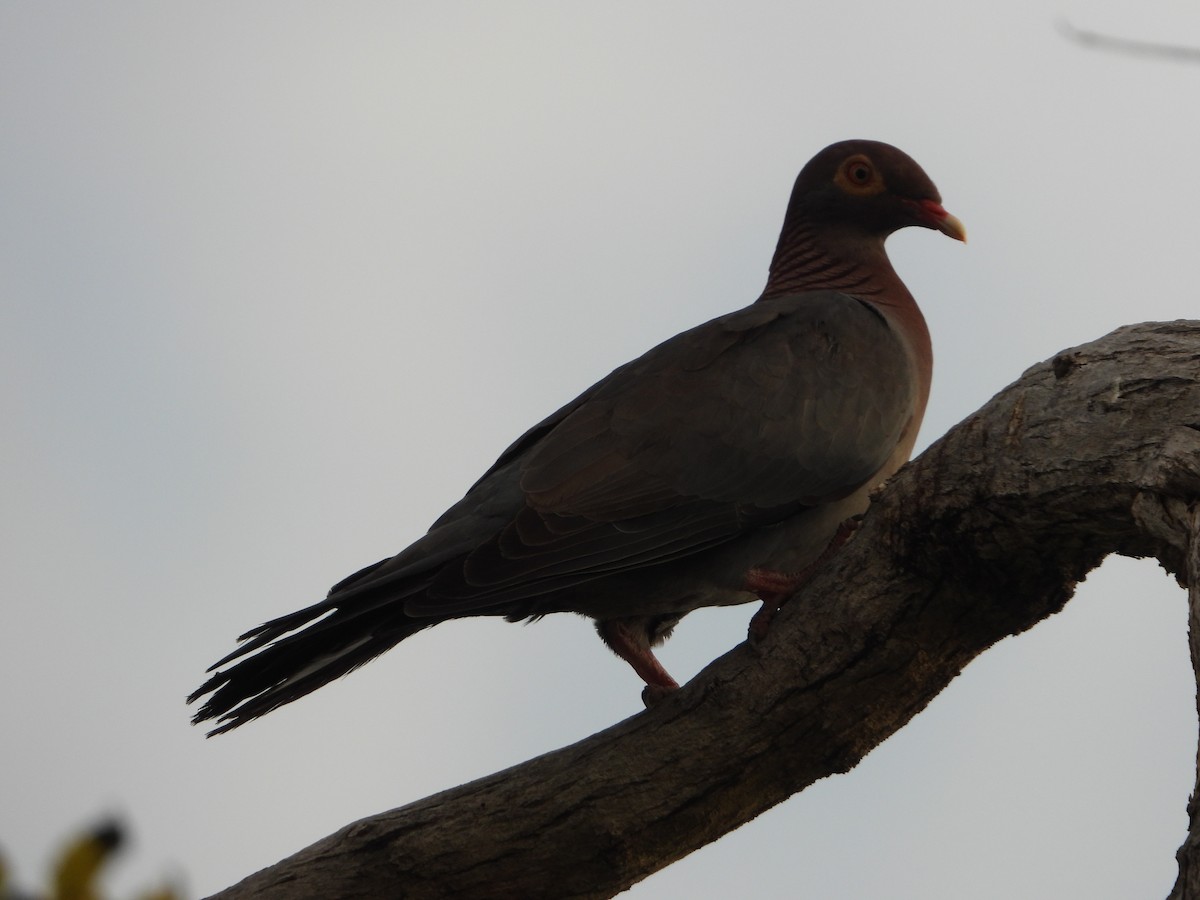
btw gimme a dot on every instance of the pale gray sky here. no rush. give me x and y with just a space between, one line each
279 280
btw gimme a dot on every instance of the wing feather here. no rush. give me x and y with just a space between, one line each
732 425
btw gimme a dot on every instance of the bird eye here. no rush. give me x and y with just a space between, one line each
859 173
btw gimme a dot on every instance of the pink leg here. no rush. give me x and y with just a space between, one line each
630 640
776 588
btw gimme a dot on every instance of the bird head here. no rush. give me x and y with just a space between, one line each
869 189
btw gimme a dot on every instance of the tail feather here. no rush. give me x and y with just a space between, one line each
296 665
293 655
262 635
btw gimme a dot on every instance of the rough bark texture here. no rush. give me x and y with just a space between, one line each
1187 886
1096 451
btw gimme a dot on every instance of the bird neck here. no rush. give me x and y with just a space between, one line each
810 260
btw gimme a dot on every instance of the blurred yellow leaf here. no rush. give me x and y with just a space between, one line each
79 866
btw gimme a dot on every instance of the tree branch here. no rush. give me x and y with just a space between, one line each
1094 40
1187 886
1096 451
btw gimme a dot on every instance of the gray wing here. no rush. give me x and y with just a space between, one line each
734 424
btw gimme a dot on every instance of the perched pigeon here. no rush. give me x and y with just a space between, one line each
716 469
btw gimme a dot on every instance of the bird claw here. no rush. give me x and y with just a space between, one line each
760 624
773 589
776 588
654 694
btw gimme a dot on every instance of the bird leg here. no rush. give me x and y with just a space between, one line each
775 588
631 639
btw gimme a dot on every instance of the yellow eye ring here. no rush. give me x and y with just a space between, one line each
858 175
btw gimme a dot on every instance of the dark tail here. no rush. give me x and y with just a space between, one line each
278 664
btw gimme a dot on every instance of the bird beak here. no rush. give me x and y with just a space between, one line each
933 215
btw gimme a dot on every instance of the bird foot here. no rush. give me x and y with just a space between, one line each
773 589
776 588
630 639
654 694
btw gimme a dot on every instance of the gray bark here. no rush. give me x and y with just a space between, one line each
1096 451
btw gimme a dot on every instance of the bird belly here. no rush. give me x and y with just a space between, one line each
714 577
